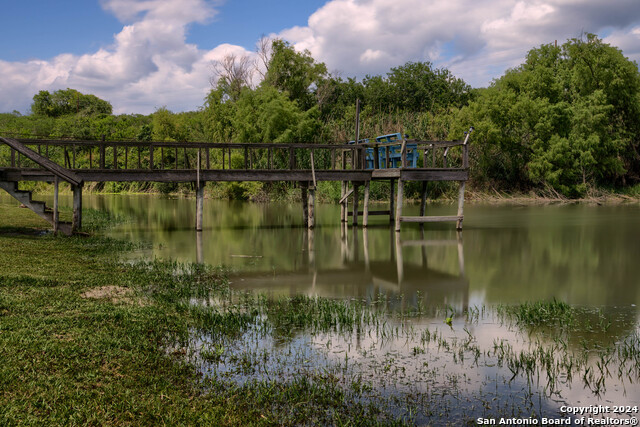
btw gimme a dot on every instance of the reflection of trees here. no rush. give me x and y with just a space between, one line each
581 254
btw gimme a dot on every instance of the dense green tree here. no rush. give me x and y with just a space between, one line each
69 101
417 86
567 118
296 73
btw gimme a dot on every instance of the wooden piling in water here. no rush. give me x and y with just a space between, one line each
392 211
305 203
343 205
199 248
460 206
423 199
365 211
312 208
199 205
399 203
356 188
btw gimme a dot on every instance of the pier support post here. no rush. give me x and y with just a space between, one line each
460 253
356 188
460 206
312 208
199 248
365 212
56 213
305 203
423 199
392 201
399 258
344 207
76 222
399 203
199 205
365 245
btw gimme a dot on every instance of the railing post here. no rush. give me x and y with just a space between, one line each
386 157
376 157
151 156
292 159
102 153
465 159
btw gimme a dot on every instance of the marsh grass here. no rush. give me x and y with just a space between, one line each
69 360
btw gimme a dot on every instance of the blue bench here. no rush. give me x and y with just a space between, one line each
393 143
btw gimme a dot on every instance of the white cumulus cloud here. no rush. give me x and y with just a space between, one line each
149 64
476 40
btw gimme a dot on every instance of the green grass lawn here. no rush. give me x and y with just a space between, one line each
68 359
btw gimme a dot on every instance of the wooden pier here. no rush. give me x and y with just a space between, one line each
78 162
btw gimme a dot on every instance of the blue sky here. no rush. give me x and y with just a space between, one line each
45 29
144 54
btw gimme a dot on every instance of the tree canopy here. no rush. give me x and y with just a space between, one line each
567 118
68 101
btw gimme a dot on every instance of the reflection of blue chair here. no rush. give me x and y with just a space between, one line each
392 144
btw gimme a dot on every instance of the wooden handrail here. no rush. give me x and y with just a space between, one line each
52 167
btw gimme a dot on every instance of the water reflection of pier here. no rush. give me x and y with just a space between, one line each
367 275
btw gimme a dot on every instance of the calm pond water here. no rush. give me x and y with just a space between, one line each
580 254
479 365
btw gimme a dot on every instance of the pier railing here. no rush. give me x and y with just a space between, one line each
118 155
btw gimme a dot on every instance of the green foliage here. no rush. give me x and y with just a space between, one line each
567 118
163 125
69 101
261 115
294 72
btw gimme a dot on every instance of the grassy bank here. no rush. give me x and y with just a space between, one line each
85 340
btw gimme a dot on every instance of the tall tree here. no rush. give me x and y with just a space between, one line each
296 73
68 101
567 118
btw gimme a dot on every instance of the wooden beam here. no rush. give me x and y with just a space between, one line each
430 218
345 196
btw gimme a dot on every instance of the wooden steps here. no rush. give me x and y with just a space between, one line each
38 207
